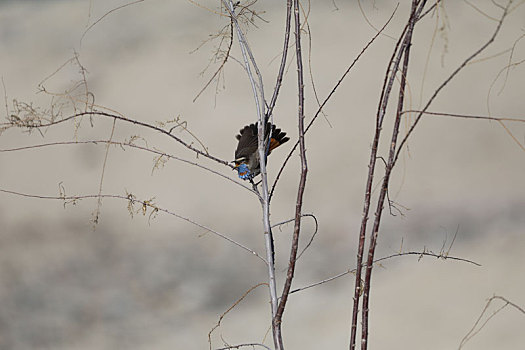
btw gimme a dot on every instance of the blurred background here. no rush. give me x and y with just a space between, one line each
159 282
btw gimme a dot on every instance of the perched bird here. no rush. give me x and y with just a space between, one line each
247 155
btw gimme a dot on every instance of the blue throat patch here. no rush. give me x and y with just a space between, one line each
244 172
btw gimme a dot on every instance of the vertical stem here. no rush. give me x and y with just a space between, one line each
268 236
405 50
392 69
302 180
258 92
393 156
283 59
385 94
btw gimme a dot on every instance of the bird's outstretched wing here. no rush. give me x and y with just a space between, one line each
248 142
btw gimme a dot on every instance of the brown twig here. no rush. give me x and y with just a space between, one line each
106 14
430 9
500 121
391 71
243 346
145 204
283 60
131 145
405 50
441 255
217 325
225 59
450 77
277 321
96 213
466 116
311 238
392 160
325 101
132 121
473 331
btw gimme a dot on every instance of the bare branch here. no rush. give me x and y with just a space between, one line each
217 325
450 77
145 204
219 70
430 9
131 145
125 119
473 331
466 116
283 59
311 238
442 256
244 345
107 14
258 94
319 110
500 121
258 87
302 181
367 20
96 214
402 48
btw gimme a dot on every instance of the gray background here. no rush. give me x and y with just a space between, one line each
163 283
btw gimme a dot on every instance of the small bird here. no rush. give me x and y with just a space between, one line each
247 155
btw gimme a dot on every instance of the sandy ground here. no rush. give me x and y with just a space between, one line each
159 282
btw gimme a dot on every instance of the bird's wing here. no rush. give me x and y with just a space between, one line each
247 141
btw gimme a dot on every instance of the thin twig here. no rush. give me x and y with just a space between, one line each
5 97
96 214
283 59
304 172
132 121
106 14
226 56
311 238
432 7
217 325
325 101
405 51
258 94
367 20
419 254
132 200
258 87
450 77
131 145
391 71
473 331
466 116
244 345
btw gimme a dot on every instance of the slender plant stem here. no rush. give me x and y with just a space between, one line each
258 92
132 121
319 110
405 50
132 200
250 345
159 154
385 92
441 255
283 59
304 171
450 77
